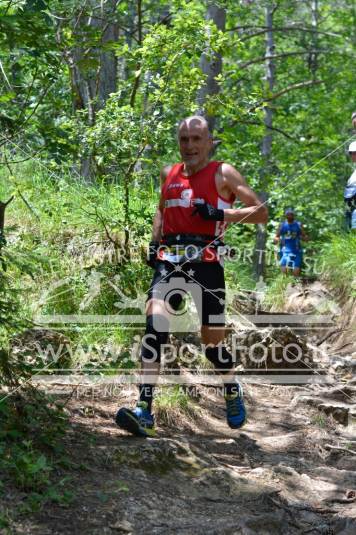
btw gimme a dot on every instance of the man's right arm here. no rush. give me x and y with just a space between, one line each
158 217
278 235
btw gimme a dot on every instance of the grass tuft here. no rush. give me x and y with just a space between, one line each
172 404
275 295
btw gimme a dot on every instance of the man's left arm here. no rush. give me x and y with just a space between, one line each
254 211
303 234
353 120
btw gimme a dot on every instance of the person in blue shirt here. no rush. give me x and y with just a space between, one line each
289 235
350 192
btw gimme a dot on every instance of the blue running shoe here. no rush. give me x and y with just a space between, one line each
235 410
139 421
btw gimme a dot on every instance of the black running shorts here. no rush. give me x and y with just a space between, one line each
204 281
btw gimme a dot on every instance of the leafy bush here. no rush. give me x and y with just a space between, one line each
338 263
31 447
31 426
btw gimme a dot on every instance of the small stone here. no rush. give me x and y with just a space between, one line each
122 525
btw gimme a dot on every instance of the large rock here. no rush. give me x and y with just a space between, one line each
41 347
314 298
272 349
337 409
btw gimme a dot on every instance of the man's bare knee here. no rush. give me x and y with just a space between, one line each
156 306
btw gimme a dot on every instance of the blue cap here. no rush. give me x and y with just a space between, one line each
289 211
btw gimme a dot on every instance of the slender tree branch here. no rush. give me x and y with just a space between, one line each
80 15
300 85
7 163
4 75
269 128
275 56
24 106
264 29
275 7
11 3
37 105
107 232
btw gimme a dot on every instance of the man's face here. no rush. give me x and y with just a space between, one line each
353 156
194 142
290 217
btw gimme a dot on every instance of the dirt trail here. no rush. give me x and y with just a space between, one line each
290 470
277 475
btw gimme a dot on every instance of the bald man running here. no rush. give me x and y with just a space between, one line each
195 207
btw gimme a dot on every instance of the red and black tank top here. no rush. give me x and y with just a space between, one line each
180 191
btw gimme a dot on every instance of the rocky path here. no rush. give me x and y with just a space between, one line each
291 469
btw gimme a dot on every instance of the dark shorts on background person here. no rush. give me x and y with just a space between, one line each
204 281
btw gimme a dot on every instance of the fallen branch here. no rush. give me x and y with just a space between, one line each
333 331
343 346
299 507
338 448
341 500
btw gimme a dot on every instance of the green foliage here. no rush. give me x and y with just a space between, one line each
133 135
32 430
34 90
319 419
338 263
140 127
9 305
12 315
79 241
238 273
31 427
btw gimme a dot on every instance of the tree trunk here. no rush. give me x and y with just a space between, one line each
260 247
211 64
270 78
108 64
139 40
93 69
266 147
313 56
3 206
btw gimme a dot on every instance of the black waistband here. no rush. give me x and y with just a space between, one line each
187 239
